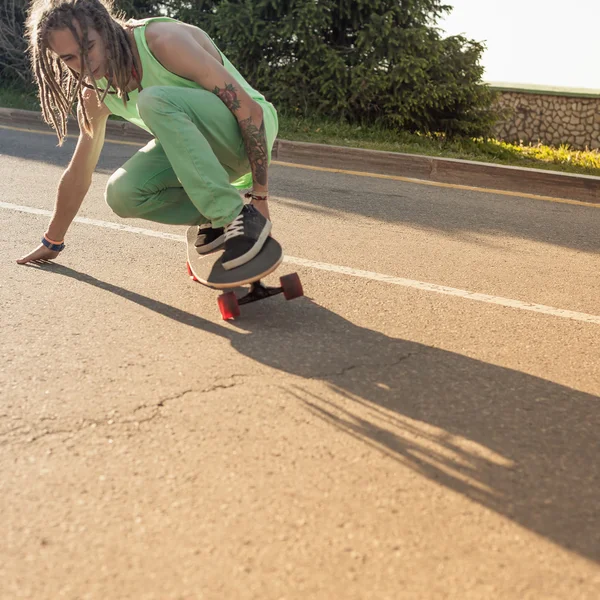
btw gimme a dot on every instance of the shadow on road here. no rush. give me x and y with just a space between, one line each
41 147
454 213
520 445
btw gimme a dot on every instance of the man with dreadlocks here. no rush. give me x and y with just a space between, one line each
213 133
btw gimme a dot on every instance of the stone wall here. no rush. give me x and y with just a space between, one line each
552 116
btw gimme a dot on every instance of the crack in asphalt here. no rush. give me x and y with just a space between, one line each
86 423
344 370
156 407
216 386
30 437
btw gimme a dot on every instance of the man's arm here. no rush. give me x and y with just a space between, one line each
174 45
77 178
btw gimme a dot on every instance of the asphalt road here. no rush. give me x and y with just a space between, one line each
424 424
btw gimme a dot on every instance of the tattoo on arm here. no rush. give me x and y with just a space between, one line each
229 96
255 139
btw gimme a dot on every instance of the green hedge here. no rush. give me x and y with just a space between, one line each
358 61
363 61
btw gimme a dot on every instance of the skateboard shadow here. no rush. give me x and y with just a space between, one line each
520 445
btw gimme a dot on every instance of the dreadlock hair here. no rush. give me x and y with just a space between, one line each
59 85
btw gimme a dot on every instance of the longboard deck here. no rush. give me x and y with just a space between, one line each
207 268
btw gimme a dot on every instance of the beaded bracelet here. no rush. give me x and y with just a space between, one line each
256 197
52 245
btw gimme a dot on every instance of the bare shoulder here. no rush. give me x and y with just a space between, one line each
159 34
93 107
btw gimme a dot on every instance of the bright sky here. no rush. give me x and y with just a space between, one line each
547 42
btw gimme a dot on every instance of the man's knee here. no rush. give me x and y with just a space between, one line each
150 102
120 195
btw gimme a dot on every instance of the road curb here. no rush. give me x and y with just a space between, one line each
582 188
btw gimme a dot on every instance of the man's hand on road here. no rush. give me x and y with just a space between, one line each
39 254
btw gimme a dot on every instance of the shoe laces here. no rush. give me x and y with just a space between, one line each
235 228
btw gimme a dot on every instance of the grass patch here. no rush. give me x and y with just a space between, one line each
327 131
536 156
17 97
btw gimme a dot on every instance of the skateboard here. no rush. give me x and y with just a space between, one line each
208 270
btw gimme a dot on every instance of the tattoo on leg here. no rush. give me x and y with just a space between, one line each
256 149
229 96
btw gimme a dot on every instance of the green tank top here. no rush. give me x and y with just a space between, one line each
153 73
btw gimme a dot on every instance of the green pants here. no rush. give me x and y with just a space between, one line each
185 175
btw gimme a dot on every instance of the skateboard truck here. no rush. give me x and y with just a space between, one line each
229 303
208 270
259 291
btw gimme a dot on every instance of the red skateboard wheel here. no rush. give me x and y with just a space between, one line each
292 286
228 305
189 270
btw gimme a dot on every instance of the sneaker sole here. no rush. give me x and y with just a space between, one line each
242 260
214 245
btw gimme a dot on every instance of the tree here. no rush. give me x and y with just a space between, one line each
364 61
360 60
14 64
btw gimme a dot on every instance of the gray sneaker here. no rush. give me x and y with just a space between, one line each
209 238
244 237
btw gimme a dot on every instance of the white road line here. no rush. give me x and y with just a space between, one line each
340 270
